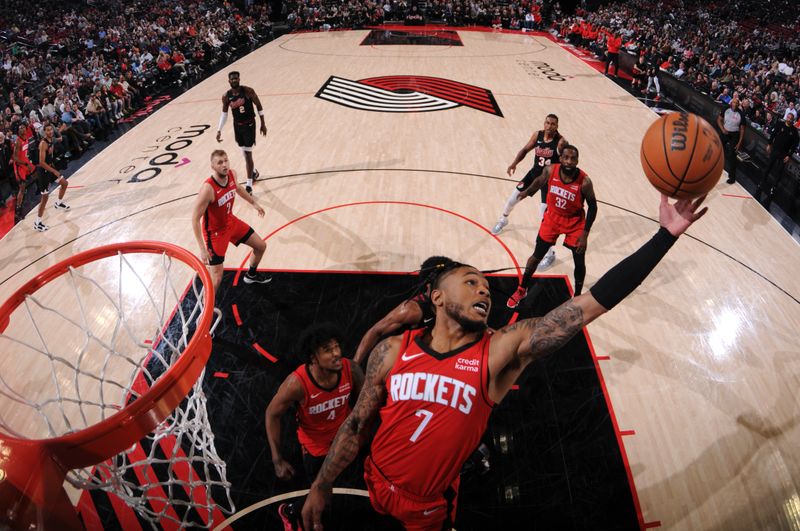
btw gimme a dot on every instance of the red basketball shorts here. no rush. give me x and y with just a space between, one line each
22 172
414 512
554 226
217 242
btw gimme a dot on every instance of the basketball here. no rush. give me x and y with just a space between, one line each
682 155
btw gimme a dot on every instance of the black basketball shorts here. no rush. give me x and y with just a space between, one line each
245 134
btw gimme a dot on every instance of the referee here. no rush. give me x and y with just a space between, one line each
731 125
782 144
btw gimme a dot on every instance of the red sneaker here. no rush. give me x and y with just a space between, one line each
287 513
517 297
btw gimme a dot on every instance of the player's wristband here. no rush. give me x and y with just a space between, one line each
222 119
626 276
261 112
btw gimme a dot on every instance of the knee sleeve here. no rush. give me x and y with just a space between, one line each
511 202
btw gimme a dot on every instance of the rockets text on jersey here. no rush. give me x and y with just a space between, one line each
322 411
436 411
564 199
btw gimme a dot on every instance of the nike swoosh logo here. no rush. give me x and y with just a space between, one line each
426 512
316 395
405 357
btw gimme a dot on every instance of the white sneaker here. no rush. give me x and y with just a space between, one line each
547 261
39 226
60 205
499 225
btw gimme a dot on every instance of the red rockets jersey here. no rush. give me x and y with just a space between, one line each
437 407
564 200
218 214
322 411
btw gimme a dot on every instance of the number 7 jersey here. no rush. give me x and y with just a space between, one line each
436 411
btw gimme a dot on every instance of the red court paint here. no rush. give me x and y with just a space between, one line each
603 358
146 475
125 515
627 432
634 493
236 315
195 490
264 353
650 525
515 387
88 512
406 203
220 374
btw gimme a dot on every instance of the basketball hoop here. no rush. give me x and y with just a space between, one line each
97 353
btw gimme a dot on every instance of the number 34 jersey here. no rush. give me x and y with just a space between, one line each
436 411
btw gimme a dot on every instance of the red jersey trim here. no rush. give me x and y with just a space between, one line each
485 376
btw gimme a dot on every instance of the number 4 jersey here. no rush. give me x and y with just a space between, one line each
322 411
436 411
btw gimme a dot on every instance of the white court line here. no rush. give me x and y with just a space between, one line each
280 497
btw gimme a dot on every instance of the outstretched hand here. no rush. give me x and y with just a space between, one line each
678 217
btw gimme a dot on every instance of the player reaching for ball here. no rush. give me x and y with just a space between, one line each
433 412
567 187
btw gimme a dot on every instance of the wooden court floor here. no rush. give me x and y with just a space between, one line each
701 365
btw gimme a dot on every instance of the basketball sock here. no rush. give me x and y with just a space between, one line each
250 182
251 271
526 281
38 219
578 287
511 202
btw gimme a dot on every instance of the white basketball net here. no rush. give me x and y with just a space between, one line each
93 340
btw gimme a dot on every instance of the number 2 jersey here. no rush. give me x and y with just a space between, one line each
322 411
242 107
436 411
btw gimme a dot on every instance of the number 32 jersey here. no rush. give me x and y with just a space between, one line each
436 411
565 200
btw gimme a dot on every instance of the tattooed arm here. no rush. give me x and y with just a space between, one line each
407 313
352 433
518 344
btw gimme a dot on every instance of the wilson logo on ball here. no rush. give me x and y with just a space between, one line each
682 155
400 94
679 128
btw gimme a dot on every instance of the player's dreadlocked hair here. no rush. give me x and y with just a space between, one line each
316 336
430 270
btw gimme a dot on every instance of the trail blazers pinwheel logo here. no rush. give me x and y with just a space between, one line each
407 94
